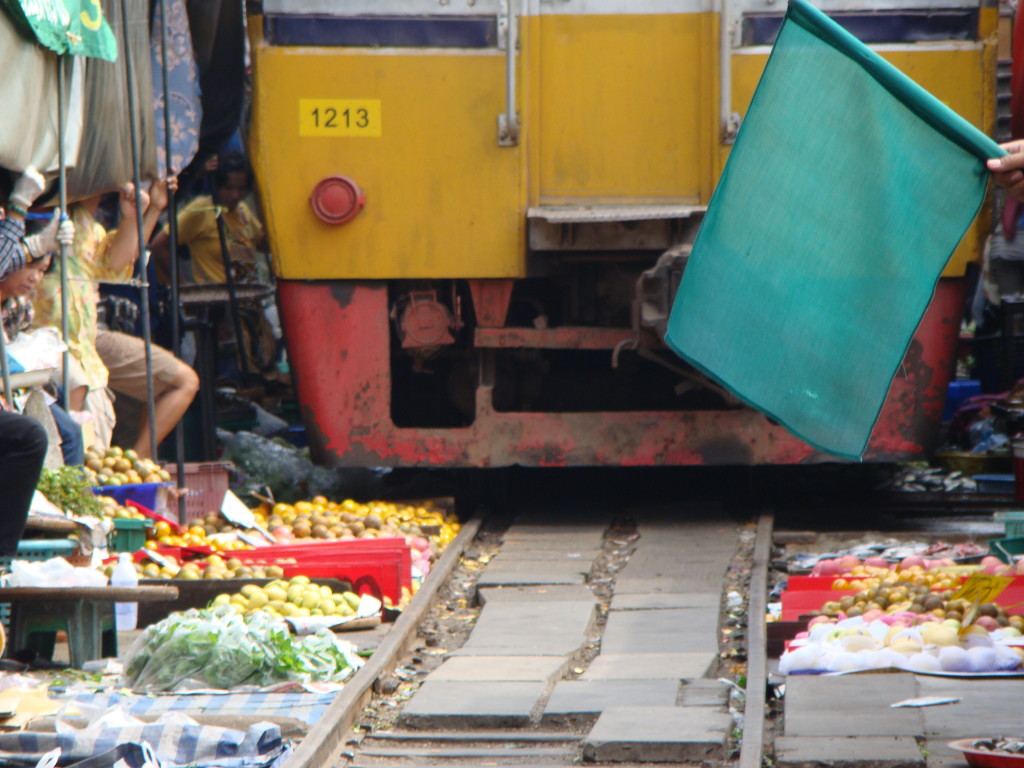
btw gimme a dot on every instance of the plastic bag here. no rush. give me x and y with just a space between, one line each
55 572
37 350
269 464
985 437
219 648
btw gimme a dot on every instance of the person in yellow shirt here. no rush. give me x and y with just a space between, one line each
245 240
197 227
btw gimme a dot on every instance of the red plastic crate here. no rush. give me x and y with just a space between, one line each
176 527
379 575
813 582
328 553
799 602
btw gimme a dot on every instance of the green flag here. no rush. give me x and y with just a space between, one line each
845 194
76 27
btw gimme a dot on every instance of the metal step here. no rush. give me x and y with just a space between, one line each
572 214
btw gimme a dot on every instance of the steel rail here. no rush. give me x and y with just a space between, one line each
321 744
752 747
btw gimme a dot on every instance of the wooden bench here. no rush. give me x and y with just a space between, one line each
80 611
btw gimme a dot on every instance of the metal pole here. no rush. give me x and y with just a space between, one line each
232 298
143 252
64 255
172 226
4 370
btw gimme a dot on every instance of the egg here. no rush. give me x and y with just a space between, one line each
939 634
855 643
804 659
982 659
923 662
953 658
1005 658
975 635
887 658
846 662
819 632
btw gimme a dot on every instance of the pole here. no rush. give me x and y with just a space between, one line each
243 365
64 255
143 252
172 225
4 369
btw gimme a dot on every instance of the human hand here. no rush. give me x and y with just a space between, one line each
28 187
45 241
65 231
127 200
160 192
1008 171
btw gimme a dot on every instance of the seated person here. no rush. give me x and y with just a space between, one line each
197 227
15 294
23 441
175 384
244 237
100 255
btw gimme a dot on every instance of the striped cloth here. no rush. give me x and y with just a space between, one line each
298 705
175 742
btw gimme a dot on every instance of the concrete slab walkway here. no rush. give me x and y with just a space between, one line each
650 693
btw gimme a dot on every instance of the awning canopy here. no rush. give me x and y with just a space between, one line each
77 27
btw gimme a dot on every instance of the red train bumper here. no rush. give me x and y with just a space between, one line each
339 347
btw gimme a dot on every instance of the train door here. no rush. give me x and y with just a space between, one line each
624 95
403 97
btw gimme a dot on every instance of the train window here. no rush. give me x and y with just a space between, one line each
374 23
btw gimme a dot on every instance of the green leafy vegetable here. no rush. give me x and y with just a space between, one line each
68 488
218 648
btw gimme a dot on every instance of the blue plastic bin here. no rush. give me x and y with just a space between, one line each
147 494
957 394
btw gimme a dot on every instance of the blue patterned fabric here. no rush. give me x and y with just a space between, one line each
183 84
177 743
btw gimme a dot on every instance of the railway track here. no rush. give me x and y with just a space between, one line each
627 669
552 641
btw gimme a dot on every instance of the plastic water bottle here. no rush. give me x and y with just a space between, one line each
126 615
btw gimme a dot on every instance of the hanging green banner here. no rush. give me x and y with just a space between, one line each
77 27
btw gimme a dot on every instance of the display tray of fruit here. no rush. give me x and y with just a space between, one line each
198 536
321 519
210 567
955 637
297 597
999 752
119 466
200 594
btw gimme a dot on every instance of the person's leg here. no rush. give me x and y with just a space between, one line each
170 407
79 385
99 404
23 447
71 444
174 384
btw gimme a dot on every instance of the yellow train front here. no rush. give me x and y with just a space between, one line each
480 210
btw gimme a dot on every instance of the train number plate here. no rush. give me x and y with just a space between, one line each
340 117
